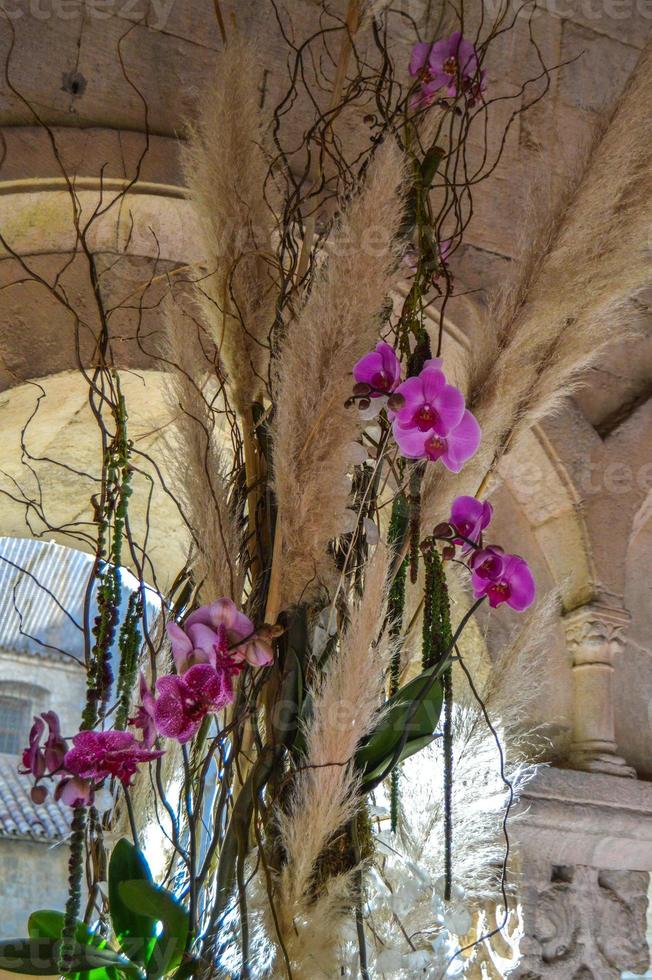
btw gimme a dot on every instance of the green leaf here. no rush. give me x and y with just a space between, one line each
409 214
371 779
376 753
135 931
161 906
188 969
39 957
48 924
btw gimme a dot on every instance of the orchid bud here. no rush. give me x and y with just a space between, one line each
444 530
267 633
361 388
395 401
364 403
38 794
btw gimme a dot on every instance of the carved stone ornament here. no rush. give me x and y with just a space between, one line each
595 637
585 924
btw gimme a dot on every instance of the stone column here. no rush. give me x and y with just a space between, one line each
595 638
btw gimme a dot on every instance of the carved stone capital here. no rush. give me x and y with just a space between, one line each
595 633
595 636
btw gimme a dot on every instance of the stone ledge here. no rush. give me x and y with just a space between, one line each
569 817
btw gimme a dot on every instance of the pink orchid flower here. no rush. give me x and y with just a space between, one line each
511 581
185 700
145 714
470 517
214 629
429 403
49 759
450 64
432 422
98 755
453 449
421 68
380 369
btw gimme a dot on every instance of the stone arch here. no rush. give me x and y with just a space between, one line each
146 238
65 429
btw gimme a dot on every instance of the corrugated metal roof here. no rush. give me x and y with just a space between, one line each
42 591
22 819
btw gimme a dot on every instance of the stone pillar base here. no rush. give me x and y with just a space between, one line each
605 762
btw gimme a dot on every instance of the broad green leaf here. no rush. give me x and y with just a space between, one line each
39 957
135 930
400 717
371 779
48 924
162 906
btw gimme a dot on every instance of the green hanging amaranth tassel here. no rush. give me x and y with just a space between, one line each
437 641
447 683
415 520
129 646
73 903
395 609
111 519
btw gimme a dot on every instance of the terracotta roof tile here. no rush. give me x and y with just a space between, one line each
19 817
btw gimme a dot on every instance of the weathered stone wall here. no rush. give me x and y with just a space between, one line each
47 684
32 876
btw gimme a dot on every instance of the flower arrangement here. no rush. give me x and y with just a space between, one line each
288 734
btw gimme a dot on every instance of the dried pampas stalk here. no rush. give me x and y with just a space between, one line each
313 432
226 172
197 460
324 799
571 299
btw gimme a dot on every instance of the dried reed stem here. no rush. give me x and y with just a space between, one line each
324 798
199 464
313 432
226 171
